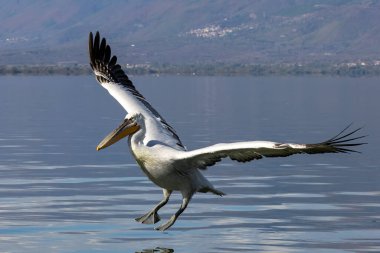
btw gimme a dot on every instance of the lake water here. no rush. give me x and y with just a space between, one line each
58 194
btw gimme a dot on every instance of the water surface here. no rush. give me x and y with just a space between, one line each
57 194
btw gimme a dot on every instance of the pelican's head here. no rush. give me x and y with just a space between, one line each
129 126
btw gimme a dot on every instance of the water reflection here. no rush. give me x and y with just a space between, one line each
156 250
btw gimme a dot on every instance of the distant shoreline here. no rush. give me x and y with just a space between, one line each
218 69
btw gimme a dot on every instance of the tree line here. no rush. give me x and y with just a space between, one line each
354 70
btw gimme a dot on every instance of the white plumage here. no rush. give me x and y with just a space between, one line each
161 154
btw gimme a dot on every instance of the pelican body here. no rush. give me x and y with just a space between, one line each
159 151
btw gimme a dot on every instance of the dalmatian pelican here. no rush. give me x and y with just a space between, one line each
159 151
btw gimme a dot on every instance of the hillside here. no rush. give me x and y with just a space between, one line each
178 32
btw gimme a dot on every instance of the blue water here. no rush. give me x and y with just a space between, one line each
58 194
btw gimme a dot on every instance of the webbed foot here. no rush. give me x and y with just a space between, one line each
167 225
149 218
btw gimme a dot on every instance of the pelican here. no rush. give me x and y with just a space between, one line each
159 151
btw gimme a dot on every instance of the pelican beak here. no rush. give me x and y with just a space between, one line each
128 127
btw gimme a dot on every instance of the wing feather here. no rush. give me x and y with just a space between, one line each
112 77
254 150
106 70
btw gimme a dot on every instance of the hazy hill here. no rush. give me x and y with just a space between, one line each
141 31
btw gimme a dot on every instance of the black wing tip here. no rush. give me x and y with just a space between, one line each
346 139
101 61
97 49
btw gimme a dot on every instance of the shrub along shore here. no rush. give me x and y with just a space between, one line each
217 69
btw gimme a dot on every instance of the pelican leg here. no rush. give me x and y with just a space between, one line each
152 216
185 202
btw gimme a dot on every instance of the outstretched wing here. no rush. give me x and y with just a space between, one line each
253 150
110 75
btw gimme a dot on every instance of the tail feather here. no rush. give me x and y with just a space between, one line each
212 190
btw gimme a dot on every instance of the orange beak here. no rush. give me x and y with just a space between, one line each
128 127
